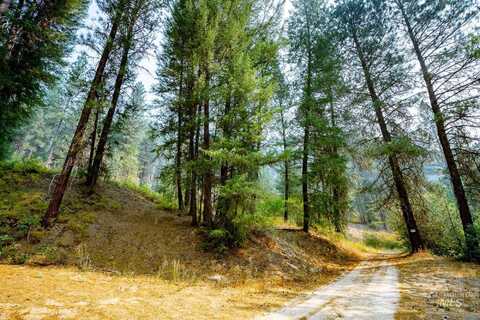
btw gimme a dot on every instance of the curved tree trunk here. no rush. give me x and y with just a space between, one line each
76 144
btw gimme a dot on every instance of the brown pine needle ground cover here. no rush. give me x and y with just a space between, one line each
65 293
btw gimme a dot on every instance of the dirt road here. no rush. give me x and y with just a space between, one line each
370 291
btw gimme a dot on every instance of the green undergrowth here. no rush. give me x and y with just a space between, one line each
23 201
161 201
383 241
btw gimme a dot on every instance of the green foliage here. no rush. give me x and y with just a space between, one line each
217 240
244 209
473 47
161 200
24 167
5 241
33 41
236 232
382 241
438 221
127 133
56 120
401 146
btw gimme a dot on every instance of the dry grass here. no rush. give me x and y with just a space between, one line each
55 293
261 277
438 288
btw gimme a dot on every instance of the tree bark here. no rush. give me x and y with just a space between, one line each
76 144
207 178
178 164
336 196
286 164
178 155
412 230
306 204
93 139
455 178
193 174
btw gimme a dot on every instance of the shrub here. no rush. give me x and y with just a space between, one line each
27 166
5 241
382 241
235 231
217 240
438 221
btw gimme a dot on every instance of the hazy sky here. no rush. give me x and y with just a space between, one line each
146 74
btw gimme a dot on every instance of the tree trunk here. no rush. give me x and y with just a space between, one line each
76 144
93 139
193 174
94 173
207 178
337 212
306 204
286 178
412 230
455 178
196 154
223 203
178 164
178 155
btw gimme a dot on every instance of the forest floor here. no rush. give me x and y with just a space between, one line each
127 258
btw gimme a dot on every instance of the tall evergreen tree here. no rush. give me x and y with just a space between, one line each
436 30
363 24
34 38
115 11
304 26
141 20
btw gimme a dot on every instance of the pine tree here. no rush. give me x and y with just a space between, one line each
436 32
115 11
58 116
303 31
141 17
214 76
34 38
363 24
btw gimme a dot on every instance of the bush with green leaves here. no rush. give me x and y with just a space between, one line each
241 212
27 166
438 221
5 241
383 241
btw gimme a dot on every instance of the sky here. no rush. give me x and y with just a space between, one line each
146 74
